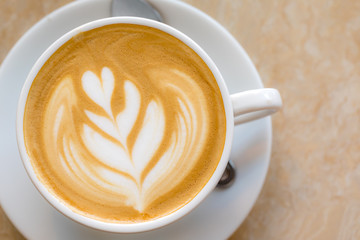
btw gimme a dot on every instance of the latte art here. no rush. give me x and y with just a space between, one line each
136 170
127 126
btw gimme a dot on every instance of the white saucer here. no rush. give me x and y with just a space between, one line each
218 216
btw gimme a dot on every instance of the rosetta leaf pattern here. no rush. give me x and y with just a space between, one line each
122 153
108 141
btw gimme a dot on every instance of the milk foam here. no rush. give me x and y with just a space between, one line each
122 167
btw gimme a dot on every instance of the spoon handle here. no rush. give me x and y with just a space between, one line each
134 8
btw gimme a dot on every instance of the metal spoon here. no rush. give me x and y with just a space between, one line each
134 8
141 8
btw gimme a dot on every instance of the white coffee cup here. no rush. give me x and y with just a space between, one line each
239 108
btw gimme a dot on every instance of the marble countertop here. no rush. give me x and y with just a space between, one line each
309 50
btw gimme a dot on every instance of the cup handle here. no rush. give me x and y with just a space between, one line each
254 104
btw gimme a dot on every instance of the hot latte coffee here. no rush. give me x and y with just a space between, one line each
124 123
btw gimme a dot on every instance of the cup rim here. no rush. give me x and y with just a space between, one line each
125 227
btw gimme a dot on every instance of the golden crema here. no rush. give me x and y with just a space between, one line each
124 123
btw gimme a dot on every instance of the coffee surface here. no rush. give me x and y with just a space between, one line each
124 123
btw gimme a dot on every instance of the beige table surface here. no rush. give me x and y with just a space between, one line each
310 51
